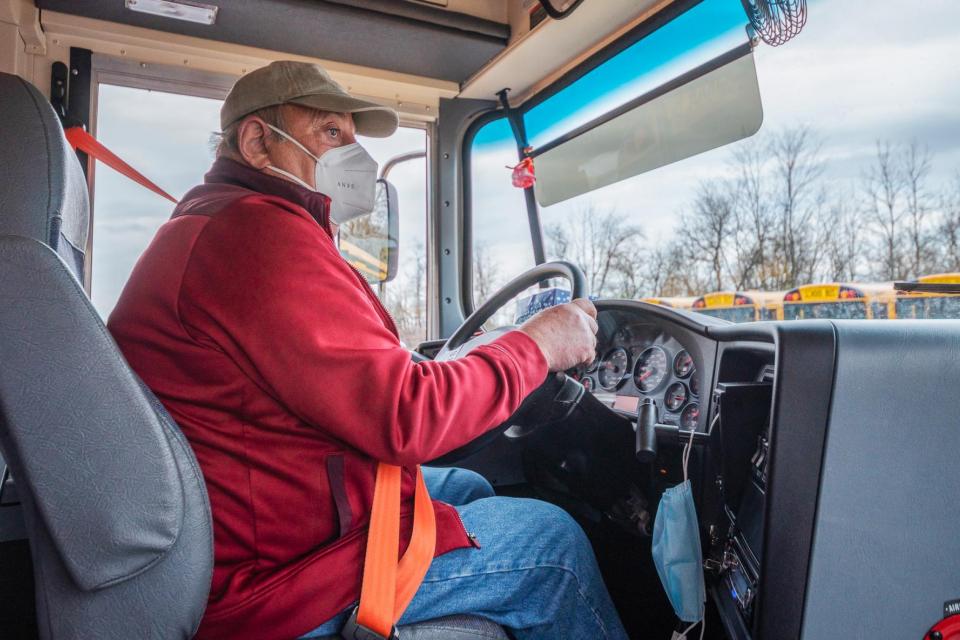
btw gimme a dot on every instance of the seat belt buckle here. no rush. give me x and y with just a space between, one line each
353 630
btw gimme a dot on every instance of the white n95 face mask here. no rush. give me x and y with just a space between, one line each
347 175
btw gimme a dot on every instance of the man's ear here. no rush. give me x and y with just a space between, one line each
252 142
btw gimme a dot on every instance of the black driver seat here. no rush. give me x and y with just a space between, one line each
114 503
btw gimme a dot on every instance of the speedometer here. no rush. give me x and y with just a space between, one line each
613 368
676 396
651 369
682 364
690 416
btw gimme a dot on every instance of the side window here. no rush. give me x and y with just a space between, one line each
168 138
498 214
406 295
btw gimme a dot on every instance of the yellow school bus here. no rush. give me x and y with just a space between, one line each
769 304
909 304
734 306
835 300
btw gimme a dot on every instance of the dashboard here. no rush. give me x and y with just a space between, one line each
799 438
639 358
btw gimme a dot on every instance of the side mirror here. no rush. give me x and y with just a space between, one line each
371 243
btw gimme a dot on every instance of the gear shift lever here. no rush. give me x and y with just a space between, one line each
646 445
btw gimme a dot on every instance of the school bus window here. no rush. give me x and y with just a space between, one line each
825 301
734 307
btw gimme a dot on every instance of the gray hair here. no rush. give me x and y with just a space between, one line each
225 142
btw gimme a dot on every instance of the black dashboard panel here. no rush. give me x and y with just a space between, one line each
826 482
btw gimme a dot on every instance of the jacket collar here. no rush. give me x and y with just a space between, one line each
227 171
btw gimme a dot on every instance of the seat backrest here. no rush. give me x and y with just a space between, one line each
114 502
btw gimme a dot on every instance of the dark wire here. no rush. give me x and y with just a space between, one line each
776 21
555 13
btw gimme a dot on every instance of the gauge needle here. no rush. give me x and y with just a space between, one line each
646 374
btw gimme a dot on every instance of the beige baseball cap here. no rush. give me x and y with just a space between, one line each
309 85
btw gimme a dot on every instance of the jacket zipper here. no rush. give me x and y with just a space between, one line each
377 301
473 538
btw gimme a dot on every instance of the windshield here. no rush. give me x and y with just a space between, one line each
842 185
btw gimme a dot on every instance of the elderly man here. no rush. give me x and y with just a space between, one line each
285 373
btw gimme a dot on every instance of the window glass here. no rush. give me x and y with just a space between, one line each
406 295
843 185
164 136
705 31
168 138
501 232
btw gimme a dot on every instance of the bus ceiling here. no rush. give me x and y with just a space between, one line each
409 53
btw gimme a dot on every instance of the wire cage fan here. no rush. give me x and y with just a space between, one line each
776 21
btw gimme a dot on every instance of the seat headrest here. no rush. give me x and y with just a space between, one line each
43 191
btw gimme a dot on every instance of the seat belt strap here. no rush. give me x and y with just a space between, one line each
82 141
388 586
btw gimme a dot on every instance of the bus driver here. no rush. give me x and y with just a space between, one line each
286 374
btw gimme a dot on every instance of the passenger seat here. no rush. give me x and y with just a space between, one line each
114 504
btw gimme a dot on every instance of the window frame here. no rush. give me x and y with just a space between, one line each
126 72
634 35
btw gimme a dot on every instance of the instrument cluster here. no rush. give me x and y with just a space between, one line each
642 362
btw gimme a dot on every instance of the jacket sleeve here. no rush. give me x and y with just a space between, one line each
266 285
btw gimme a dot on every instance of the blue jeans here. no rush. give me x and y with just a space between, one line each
535 572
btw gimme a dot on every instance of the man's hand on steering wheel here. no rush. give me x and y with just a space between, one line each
566 334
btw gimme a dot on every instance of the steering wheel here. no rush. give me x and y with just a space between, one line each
556 397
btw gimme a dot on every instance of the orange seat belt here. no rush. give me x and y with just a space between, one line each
83 141
389 586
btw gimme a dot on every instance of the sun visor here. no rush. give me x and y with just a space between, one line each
710 106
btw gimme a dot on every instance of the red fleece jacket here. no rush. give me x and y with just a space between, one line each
285 373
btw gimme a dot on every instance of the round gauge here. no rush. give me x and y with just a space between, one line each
682 364
587 383
613 368
690 417
676 396
651 369
694 383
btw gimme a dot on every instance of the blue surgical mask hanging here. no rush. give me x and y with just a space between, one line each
676 550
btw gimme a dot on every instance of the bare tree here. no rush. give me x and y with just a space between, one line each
844 245
603 244
755 224
799 202
948 230
916 164
485 274
710 227
883 187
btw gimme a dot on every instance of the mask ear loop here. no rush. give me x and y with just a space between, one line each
687 450
703 627
686 453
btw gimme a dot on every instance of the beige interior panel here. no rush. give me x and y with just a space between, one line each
494 10
539 56
417 98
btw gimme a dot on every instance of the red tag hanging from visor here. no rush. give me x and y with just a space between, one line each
524 176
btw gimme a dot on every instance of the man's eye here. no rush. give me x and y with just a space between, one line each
333 132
